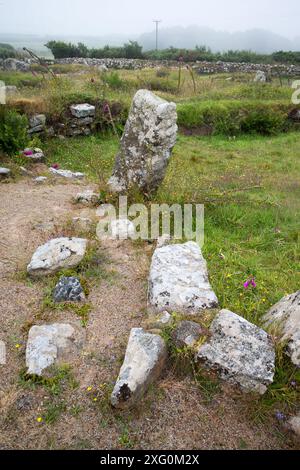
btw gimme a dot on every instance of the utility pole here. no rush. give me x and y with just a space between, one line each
157 23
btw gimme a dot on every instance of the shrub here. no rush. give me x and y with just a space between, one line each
7 51
113 80
13 130
265 122
235 117
164 85
162 73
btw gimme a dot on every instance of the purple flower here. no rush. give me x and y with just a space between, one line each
55 166
250 282
293 383
28 152
280 416
106 108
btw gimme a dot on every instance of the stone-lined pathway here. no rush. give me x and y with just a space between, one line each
173 418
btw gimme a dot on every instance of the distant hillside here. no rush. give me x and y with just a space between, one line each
264 42
257 40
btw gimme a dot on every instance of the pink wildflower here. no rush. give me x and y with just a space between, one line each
250 282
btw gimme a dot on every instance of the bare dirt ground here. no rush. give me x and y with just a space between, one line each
174 415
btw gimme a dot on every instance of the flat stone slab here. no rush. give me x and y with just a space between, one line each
59 253
68 289
50 344
178 280
241 352
82 110
286 316
144 361
67 173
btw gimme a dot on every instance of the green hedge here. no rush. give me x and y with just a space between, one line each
235 117
13 130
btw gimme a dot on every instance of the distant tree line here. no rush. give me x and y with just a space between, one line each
62 50
133 50
7 51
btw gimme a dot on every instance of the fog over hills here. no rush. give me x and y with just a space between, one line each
257 40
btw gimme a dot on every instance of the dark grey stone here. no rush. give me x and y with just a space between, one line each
186 334
68 289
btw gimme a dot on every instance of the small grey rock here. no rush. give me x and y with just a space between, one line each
4 172
68 289
82 110
40 179
67 174
186 334
88 198
56 254
294 424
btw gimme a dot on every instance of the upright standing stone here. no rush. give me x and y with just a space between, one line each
146 145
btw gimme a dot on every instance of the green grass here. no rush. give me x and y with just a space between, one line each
58 380
88 155
250 186
251 190
20 79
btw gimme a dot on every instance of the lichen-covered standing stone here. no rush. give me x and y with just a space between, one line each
146 145
178 280
144 360
241 352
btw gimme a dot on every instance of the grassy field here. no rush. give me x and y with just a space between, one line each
249 183
251 190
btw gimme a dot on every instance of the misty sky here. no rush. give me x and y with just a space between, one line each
102 17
